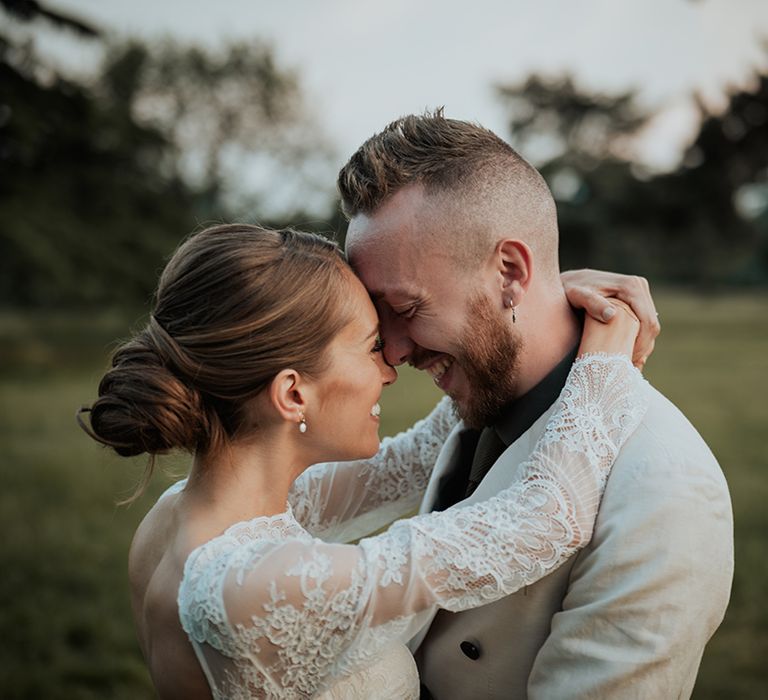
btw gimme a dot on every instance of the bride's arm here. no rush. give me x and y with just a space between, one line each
342 501
351 600
472 555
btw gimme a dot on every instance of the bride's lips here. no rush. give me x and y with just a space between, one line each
376 411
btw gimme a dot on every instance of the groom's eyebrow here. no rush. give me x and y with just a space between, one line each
405 293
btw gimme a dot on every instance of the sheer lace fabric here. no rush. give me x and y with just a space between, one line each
274 612
342 501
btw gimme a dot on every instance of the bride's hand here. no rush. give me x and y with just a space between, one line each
616 337
592 290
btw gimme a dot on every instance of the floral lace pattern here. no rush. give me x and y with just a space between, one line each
275 613
392 675
342 501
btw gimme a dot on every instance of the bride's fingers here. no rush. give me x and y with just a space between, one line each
637 294
592 291
618 336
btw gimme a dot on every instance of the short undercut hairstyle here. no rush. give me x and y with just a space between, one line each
467 168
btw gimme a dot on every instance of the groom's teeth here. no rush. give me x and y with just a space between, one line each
376 410
439 368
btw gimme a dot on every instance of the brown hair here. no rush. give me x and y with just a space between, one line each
440 154
478 179
235 305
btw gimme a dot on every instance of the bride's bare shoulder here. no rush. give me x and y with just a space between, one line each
154 572
151 540
155 568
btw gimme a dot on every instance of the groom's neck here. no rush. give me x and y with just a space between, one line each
551 331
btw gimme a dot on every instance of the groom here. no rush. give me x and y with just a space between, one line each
455 236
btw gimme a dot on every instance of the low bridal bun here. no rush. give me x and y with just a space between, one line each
143 407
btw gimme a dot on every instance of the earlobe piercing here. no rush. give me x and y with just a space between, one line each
514 310
302 423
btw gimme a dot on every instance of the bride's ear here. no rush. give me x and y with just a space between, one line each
288 394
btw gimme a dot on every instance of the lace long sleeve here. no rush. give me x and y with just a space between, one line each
280 612
342 501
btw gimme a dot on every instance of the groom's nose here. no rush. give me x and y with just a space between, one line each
398 345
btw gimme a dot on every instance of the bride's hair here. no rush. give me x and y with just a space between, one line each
235 305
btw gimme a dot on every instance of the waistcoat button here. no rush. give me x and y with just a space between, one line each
470 649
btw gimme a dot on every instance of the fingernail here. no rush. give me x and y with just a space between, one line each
609 313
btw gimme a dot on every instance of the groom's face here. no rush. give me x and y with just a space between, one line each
435 314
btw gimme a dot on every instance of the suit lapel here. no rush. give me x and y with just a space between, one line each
499 476
507 466
446 462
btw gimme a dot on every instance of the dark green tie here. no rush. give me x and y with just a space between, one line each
489 448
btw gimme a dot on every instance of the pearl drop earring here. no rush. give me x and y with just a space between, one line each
302 423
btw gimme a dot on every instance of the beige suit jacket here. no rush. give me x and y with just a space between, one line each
628 616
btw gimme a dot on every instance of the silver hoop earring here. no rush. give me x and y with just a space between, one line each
302 423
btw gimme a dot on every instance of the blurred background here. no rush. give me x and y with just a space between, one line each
126 125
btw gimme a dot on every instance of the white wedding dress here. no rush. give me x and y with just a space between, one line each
278 607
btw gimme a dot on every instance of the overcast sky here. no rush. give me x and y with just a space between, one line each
364 63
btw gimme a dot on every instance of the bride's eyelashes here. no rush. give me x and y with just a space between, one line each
378 345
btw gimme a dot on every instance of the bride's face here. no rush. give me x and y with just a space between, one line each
345 423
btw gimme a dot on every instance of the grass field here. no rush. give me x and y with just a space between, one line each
65 622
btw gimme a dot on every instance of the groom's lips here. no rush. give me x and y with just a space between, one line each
444 381
439 367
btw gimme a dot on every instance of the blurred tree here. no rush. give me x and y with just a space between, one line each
223 113
727 168
686 226
85 212
556 120
96 180
29 10
579 141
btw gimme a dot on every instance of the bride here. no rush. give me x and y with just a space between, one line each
261 358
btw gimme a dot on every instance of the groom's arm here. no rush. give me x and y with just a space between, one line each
650 590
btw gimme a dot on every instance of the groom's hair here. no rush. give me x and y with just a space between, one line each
473 175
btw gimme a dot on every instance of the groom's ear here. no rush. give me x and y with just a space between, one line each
514 263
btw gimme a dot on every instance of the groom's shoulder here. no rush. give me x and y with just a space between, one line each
667 450
665 429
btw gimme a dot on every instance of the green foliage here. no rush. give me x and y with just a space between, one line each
87 215
712 361
101 181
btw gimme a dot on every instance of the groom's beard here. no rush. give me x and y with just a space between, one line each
489 357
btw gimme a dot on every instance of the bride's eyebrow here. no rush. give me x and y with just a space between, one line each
373 333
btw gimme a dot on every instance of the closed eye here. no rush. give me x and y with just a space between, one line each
406 313
378 346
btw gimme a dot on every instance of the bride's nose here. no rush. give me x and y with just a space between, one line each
388 372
